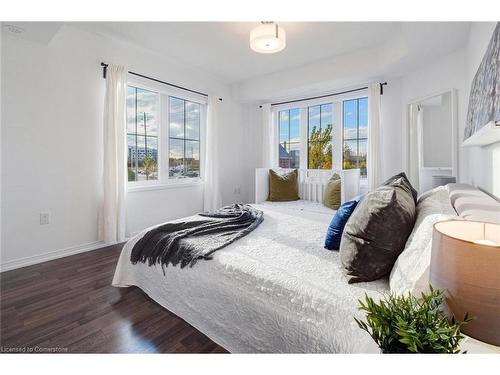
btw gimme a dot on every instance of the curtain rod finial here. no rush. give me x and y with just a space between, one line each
382 84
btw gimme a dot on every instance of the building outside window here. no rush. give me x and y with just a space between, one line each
163 137
142 134
289 133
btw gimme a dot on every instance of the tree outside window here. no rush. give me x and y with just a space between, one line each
320 125
355 135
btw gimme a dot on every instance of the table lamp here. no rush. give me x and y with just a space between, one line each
465 263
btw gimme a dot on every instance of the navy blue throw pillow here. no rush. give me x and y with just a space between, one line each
336 227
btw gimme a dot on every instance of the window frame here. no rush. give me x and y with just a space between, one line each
164 181
308 108
289 133
158 137
357 139
184 139
337 134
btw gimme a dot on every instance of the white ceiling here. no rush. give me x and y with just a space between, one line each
42 32
222 48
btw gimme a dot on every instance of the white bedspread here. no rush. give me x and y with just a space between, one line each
300 205
275 290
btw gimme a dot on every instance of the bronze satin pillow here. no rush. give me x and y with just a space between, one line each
331 198
283 188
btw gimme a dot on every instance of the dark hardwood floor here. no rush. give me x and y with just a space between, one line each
69 305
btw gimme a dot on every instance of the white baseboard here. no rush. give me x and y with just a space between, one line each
28 261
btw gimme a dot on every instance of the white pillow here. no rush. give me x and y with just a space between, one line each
410 273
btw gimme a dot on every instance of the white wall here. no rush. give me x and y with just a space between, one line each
390 140
483 162
454 70
391 123
343 71
52 141
477 166
251 118
390 63
52 130
439 76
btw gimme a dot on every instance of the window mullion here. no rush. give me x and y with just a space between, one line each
163 144
184 143
337 129
357 133
136 143
303 129
160 143
289 146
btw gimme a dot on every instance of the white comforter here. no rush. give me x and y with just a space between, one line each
275 290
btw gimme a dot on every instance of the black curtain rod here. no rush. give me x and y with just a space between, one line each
104 69
382 84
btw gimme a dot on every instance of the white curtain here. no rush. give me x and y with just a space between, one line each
112 228
212 194
374 155
269 139
413 138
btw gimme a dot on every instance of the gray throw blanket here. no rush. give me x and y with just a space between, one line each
185 242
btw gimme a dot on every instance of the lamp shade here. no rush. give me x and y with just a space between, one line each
465 262
268 38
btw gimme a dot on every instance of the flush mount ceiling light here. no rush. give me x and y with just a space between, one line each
268 38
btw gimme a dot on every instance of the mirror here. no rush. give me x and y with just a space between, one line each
432 143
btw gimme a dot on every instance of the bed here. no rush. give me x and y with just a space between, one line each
275 290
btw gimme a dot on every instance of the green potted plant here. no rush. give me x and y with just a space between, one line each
406 324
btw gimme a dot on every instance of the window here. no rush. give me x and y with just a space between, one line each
184 138
163 137
319 125
289 144
322 133
142 134
355 139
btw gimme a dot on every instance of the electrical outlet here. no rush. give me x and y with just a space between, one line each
44 218
237 191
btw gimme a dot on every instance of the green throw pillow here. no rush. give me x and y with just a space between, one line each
331 198
283 187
